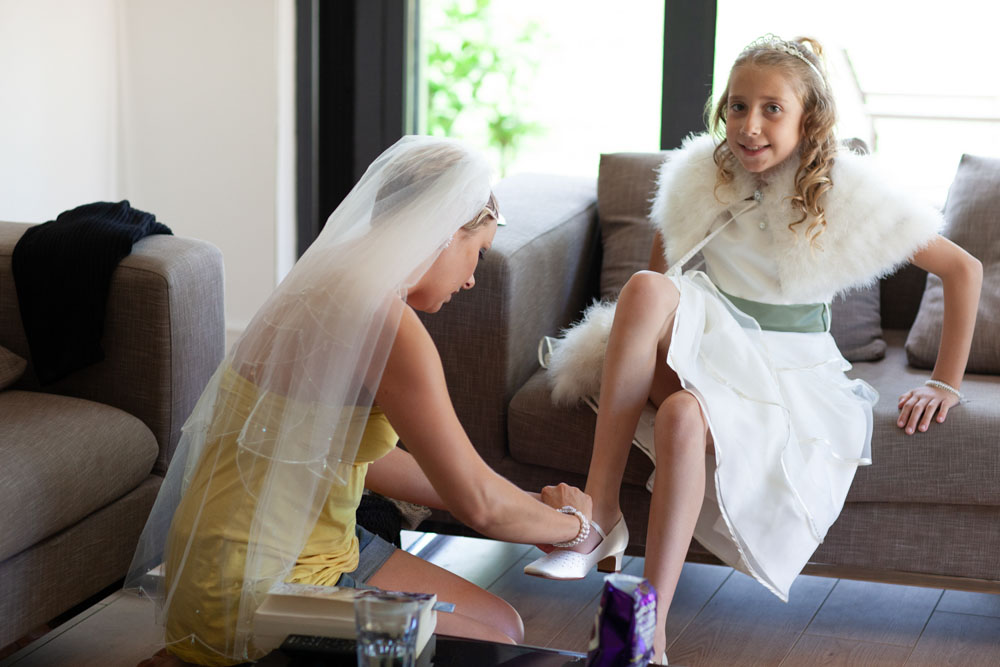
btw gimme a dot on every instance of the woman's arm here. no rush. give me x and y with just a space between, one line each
414 396
961 276
397 475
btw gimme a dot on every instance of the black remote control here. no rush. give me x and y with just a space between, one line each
315 646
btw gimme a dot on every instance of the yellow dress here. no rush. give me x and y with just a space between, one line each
201 606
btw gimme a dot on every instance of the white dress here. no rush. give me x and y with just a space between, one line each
789 428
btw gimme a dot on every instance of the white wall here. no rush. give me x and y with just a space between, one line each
58 106
181 107
200 130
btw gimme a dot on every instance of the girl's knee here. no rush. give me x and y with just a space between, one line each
679 422
649 291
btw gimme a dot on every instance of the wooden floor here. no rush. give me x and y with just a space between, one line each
722 617
719 617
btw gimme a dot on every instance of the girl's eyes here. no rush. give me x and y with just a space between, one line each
482 254
737 107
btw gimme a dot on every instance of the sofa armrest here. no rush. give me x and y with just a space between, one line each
541 272
164 333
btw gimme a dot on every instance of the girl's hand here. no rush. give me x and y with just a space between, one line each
918 406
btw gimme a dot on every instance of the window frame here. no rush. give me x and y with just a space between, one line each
355 59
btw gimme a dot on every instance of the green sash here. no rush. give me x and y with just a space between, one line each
800 318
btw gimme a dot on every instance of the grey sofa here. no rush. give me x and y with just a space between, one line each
927 512
81 459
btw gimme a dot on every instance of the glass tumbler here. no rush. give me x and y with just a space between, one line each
387 628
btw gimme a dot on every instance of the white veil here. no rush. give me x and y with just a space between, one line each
319 344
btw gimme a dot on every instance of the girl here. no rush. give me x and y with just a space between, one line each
757 431
304 412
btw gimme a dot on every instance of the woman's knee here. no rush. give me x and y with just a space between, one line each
494 612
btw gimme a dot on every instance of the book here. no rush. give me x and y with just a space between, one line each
322 611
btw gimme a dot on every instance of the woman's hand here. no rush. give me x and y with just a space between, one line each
563 494
917 408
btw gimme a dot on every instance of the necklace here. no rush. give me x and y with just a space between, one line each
758 196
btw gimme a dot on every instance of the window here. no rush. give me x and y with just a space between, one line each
547 85
918 86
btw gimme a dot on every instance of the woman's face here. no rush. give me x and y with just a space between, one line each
453 269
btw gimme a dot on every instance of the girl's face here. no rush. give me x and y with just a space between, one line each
453 269
764 117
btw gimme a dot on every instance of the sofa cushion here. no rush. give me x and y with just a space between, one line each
971 222
626 183
953 463
11 367
558 437
61 459
956 462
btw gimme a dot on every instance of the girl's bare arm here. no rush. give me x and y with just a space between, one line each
961 277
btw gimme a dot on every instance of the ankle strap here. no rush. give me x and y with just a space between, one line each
593 524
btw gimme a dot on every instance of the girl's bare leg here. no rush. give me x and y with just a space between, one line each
639 337
681 437
635 372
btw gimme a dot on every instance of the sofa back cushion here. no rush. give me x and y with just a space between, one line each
901 294
626 184
11 367
971 222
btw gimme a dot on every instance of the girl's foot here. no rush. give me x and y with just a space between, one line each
565 564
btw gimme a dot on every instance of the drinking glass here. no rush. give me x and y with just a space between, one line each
387 628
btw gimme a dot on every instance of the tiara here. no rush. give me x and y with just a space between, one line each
775 43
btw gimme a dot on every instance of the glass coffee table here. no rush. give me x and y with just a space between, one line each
441 651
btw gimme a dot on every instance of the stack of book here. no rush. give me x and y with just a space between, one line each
322 611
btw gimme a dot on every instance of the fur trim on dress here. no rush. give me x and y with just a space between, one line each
578 358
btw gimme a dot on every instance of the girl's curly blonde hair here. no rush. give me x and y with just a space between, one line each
817 146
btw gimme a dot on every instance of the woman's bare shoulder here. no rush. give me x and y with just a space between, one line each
414 361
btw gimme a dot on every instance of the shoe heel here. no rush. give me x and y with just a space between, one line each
610 564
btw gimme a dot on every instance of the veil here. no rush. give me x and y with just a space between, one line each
314 353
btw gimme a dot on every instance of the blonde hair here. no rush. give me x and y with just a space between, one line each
489 212
817 144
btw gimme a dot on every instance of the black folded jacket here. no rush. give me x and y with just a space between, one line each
62 273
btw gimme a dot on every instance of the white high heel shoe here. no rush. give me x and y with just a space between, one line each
563 564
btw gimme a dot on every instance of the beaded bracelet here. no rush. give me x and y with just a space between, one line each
584 527
944 385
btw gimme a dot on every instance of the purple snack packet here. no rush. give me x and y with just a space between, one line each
625 623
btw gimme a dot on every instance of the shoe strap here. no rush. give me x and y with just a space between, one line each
593 524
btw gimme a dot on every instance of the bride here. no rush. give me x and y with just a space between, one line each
306 410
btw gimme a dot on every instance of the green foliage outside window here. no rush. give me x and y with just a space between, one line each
474 80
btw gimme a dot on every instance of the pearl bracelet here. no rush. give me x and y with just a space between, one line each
944 385
584 527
